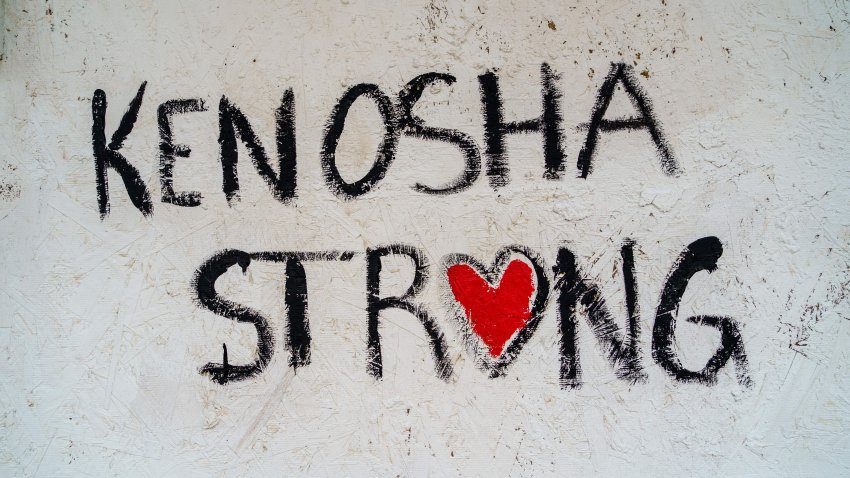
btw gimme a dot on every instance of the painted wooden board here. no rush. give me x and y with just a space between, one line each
425 238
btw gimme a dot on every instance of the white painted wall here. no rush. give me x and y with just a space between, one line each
100 340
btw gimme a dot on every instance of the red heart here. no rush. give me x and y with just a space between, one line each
496 313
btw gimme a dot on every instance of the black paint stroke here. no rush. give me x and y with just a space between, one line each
283 256
414 126
700 255
386 150
168 151
498 366
109 157
495 127
232 122
568 283
207 297
376 303
622 352
298 327
627 253
624 74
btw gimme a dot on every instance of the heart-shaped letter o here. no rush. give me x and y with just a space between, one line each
498 308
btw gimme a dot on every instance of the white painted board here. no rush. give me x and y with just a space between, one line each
105 328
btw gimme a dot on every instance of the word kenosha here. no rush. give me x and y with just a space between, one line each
398 119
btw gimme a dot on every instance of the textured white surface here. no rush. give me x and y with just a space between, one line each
100 341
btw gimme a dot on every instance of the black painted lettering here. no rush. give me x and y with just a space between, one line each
376 303
386 150
621 351
207 297
232 122
495 127
109 157
700 255
624 74
412 125
298 327
168 151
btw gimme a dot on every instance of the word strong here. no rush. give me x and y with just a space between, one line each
398 119
496 308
